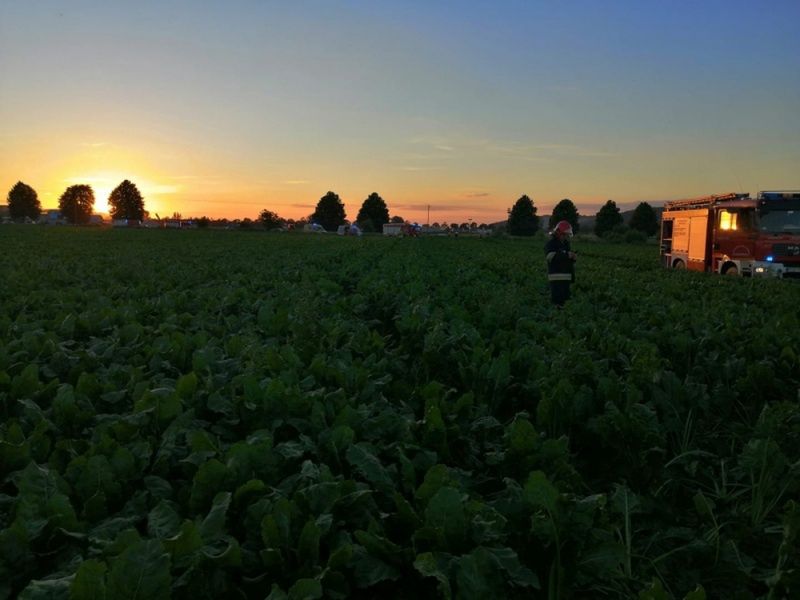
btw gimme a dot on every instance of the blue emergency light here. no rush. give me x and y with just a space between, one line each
770 258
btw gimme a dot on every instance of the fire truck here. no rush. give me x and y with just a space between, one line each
734 234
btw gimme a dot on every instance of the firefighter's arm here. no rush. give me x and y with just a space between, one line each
552 254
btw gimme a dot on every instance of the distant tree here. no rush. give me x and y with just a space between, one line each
76 204
373 214
125 202
483 226
644 219
329 212
607 218
23 201
397 219
565 211
435 225
270 220
522 219
203 222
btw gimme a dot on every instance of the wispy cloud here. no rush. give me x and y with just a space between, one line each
478 195
428 156
199 180
429 140
441 147
570 88
89 180
439 208
161 188
436 152
573 150
435 142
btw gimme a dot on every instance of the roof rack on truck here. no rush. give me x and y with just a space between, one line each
703 202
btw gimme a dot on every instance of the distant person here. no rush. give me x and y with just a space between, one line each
354 230
560 263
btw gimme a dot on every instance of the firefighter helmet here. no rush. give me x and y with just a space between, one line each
563 227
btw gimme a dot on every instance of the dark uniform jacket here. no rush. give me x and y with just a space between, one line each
560 267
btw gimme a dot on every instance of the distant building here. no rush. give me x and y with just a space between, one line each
431 230
51 216
126 223
393 228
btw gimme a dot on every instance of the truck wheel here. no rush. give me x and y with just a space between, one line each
679 264
732 270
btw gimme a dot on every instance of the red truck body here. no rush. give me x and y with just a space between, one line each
733 234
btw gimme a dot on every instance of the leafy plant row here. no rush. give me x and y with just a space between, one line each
222 415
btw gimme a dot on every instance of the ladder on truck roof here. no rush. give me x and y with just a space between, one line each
703 202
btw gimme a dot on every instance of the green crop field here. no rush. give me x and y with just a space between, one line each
222 414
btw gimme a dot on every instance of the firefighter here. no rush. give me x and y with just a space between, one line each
560 263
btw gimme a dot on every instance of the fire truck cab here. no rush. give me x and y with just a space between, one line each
733 234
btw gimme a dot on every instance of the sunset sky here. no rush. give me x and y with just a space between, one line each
226 108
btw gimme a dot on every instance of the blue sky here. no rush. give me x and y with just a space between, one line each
225 108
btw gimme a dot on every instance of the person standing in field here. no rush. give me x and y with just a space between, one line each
560 263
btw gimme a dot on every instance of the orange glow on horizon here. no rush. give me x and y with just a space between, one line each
196 197
195 185
104 182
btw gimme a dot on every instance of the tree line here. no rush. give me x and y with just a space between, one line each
522 217
523 220
330 214
126 202
77 202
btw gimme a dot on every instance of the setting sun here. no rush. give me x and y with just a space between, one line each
103 183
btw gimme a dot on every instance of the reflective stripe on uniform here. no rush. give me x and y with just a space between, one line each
550 256
559 277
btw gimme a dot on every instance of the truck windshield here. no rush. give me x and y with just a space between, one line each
780 221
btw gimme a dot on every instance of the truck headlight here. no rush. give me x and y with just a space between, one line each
760 269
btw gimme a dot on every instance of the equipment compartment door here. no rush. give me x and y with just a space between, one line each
698 242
